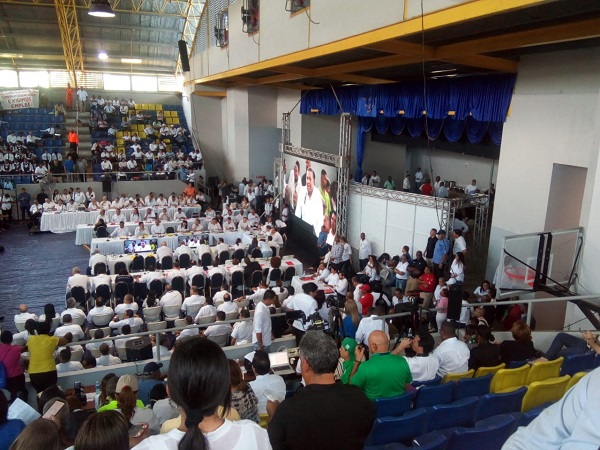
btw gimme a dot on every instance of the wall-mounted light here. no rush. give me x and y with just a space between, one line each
250 16
103 56
101 8
296 5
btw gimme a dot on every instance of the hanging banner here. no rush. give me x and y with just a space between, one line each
23 98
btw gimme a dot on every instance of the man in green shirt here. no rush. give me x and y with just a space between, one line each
389 184
384 375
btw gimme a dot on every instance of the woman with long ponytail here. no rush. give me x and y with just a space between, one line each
198 381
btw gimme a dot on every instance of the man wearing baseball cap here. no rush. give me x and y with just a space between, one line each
366 298
440 254
150 378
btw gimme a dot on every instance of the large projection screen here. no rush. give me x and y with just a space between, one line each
311 193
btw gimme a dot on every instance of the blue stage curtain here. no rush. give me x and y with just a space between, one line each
454 129
475 129
415 126
434 127
495 132
486 98
364 127
397 124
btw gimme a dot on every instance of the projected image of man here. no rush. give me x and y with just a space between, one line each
293 185
310 203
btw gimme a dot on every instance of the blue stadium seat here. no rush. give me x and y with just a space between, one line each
457 414
577 363
527 417
387 430
472 387
494 404
434 395
437 380
515 364
490 434
395 406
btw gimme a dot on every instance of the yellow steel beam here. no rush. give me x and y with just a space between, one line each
69 34
210 93
545 35
439 19
485 62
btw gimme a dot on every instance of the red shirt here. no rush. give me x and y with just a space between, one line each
10 356
366 301
427 282
427 189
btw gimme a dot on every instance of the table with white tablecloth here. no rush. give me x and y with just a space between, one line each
65 222
108 246
85 233
298 281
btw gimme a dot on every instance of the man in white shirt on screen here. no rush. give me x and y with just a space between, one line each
310 203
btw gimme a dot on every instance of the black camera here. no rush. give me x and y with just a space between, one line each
335 301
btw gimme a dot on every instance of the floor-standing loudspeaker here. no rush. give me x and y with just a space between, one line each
183 54
454 303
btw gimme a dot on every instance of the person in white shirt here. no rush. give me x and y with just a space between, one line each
375 180
460 245
162 251
472 189
341 287
141 230
77 279
188 332
24 315
244 225
72 310
173 200
216 269
364 250
66 365
183 227
100 308
120 231
193 300
207 310
277 239
253 218
69 327
243 330
117 216
171 297
175 272
228 225
452 353
424 365
419 177
305 302
79 197
183 249
106 359
128 303
179 215
131 319
310 203
149 200
214 226
157 228
221 246
218 328
369 324
164 215
266 383
161 201
228 306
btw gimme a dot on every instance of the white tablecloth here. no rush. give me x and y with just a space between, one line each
85 233
65 222
116 246
298 281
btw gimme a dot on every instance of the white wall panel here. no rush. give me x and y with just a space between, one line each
354 220
281 32
372 223
396 238
401 215
414 6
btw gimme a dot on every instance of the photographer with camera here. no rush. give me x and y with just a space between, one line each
306 303
314 417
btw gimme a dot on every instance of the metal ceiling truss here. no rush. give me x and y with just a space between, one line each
69 34
163 8
315 155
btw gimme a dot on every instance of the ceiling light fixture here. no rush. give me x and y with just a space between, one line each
131 60
443 70
101 8
102 55
11 55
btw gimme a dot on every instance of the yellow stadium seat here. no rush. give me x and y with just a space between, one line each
120 141
144 106
121 150
483 371
142 135
159 107
264 420
575 379
169 121
151 107
119 134
457 376
540 392
140 127
166 141
542 370
508 380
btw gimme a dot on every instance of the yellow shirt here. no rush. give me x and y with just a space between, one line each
41 353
